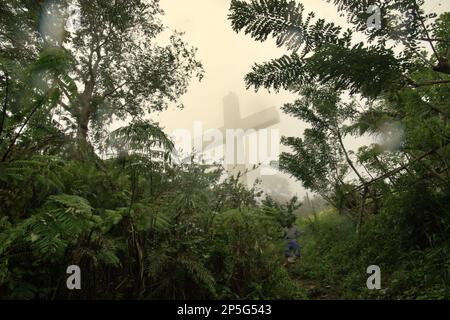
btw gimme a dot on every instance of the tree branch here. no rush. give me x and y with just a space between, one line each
397 170
13 142
427 35
347 157
106 94
428 83
64 90
434 40
5 104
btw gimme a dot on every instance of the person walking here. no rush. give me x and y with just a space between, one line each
292 249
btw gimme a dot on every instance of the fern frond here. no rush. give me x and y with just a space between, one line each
141 136
341 66
72 204
58 223
47 172
284 20
199 273
278 74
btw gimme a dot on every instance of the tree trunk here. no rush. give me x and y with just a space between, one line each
83 118
83 146
361 211
347 157
83 126
85 108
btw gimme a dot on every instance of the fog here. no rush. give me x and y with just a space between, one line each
227 57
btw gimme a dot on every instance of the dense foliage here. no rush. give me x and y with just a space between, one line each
142 226
135 231
393 193
73 192
336 258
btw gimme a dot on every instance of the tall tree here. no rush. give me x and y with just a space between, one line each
123 63
397 89
322 52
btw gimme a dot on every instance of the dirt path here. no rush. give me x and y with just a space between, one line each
313 288
315 291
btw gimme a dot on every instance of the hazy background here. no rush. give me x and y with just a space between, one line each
227 57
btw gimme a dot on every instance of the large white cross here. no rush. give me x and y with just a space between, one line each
233 120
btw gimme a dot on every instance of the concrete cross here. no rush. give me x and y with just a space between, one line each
233 120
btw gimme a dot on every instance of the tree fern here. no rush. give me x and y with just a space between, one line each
140 136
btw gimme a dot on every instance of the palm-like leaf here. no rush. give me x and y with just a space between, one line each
141 136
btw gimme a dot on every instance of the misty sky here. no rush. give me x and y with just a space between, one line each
227 57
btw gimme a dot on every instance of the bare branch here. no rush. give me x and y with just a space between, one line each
397 170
